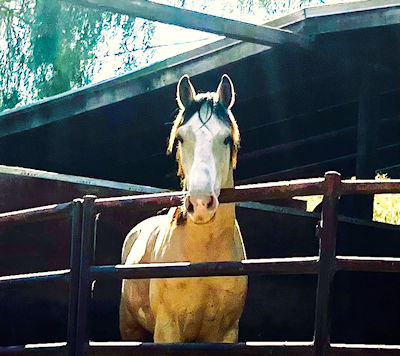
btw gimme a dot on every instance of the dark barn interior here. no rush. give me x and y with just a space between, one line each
301 113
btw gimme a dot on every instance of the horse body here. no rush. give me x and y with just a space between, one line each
202 309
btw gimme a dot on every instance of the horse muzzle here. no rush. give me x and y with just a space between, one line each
201 208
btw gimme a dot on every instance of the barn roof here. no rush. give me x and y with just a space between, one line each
297 108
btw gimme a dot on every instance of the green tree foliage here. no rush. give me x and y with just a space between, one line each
48 47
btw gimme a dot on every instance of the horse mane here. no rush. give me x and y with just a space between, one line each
185 114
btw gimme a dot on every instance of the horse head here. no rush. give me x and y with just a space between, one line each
207 139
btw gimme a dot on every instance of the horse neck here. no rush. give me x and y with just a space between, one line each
213 241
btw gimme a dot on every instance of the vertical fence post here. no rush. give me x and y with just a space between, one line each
327 255
88 230
75 257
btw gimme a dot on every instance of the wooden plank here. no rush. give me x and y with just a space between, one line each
296 143
243 31
19 172
159 75
17 185
277 209
298 171
349 7
282 210
320 22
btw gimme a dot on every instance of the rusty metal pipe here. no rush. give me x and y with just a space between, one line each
293 265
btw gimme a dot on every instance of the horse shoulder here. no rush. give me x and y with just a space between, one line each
239 242
138 247
139 243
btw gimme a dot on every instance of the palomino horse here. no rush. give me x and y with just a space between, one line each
191 309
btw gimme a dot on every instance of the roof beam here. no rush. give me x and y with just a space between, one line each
159 75
264 35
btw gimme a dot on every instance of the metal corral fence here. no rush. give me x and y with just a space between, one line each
83 212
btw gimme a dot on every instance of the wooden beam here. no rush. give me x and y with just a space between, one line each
13 174
133 84
53 188
326 19
349 7
168 72
263 35
298 171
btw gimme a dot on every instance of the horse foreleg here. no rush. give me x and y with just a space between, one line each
232 334
217 335
167 328
128 325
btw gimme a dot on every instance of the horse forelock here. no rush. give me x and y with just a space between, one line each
186 113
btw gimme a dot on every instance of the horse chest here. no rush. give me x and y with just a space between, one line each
199 301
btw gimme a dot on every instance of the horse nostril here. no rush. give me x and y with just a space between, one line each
210 202
201 204
189 205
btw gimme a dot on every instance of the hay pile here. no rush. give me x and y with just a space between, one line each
386 206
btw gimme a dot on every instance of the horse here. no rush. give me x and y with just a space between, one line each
196 309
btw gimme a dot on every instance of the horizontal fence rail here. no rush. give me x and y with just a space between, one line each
201 349
292 265
256 192
71 211
189 349
33 277
360 349
248 348
295 265
47 349
42 213
82 272
368 264
390 186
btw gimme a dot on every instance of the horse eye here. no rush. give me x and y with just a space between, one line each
179 139
228 140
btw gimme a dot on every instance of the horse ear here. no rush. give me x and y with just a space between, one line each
226 92
185 92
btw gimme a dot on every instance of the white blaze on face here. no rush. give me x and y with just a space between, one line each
205 158
205 152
